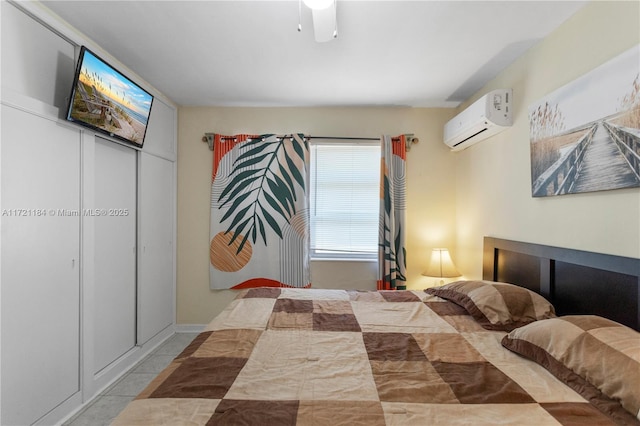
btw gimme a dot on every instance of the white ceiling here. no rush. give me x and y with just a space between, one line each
249 53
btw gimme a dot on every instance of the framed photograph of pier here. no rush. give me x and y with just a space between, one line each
585 136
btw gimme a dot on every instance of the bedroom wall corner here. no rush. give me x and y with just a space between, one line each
493 177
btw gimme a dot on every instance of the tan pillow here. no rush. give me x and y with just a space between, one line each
596 357
496 306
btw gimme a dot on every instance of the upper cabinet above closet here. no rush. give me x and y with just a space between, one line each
160 139
35 64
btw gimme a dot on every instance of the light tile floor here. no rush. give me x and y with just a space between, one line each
106 406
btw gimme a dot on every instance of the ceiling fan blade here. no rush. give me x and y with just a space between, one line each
324 23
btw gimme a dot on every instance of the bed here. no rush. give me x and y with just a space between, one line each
280 356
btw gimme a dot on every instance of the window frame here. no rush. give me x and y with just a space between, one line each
328 255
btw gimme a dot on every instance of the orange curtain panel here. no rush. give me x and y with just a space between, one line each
392 262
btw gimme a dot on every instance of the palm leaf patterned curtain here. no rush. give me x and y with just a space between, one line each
392 263
259 229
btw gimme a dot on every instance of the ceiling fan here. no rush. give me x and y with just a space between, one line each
325 25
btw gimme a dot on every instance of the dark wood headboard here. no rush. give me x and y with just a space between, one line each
576 282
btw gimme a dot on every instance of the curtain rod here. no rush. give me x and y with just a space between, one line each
344 138
410 139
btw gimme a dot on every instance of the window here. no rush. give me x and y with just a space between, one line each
345 199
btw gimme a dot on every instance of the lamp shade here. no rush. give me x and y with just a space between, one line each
441 264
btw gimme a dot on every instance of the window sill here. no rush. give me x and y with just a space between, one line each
342 259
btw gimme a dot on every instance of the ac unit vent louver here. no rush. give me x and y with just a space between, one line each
489 115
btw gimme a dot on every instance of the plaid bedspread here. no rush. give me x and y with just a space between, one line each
334 357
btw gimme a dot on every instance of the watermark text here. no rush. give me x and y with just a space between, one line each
65 212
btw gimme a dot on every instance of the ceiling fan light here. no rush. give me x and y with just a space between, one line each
318 4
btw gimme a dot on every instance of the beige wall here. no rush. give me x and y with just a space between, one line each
493 177
430 191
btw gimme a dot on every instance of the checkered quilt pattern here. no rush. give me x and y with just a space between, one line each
335 357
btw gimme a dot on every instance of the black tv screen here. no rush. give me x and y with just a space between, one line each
108 102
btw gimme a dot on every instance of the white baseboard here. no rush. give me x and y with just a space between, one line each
94 388
189 328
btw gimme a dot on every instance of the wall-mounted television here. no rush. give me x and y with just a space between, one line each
106 101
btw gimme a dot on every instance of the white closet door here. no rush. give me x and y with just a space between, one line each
115 252
40 265
156 260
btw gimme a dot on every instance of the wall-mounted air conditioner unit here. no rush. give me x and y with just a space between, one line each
486 117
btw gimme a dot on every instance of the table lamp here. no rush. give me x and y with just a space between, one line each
441 265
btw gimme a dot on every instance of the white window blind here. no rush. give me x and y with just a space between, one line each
345 198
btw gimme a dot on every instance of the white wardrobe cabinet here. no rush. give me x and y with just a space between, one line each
83 296
40 265
114 262
156 201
